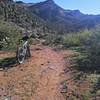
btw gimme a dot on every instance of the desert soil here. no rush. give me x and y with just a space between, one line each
39 77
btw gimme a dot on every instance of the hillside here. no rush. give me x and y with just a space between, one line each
46 16
19 14
16 17
62 20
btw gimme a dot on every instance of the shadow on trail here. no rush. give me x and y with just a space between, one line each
7 63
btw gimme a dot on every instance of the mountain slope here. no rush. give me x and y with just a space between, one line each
63 20
13 18
46 16
19 14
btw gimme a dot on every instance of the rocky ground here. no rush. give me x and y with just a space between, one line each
47 75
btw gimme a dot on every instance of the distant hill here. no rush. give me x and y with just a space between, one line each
24 4
46 16
63 20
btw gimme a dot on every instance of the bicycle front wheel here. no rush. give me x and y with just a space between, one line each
20 55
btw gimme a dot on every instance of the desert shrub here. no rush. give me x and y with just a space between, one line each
53 39
33 41
76 39
96 88
9 35
89 58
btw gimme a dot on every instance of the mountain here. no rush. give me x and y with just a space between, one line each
47 15
62 20
24 4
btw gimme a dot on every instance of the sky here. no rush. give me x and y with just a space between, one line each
85 6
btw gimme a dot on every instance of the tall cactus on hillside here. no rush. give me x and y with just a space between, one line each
3 4
5 8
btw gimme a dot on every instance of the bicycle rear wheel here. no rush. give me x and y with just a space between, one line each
20 55
28 53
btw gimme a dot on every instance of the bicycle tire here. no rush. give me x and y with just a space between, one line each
28 53
20 55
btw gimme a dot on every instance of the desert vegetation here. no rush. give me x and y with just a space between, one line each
78 34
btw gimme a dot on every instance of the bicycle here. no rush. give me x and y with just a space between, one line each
23 52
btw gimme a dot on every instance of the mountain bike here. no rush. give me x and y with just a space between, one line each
23 52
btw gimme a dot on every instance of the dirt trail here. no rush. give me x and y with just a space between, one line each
51 66
38 78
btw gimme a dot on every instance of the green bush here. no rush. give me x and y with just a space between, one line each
53 39
91 53
9 35
76 39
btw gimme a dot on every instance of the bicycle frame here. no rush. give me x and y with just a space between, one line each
21 52
25 47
